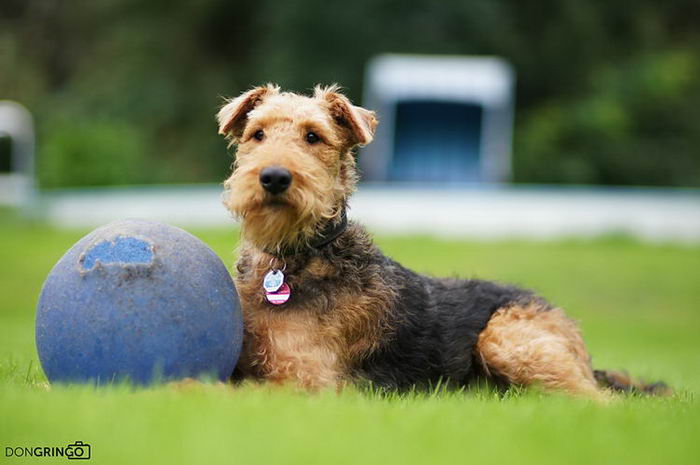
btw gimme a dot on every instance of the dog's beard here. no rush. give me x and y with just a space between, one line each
280 223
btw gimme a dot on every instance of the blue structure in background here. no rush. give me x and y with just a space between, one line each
442 119
436 141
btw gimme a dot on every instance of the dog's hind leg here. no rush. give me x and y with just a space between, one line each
533 345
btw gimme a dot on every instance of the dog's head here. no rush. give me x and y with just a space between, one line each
294 165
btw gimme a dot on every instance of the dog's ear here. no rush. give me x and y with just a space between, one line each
361 122
233 115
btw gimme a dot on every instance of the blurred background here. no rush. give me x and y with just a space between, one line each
571 120
596 94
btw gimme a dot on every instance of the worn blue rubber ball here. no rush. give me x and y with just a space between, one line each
139 301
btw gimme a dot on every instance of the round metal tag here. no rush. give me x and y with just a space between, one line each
273 280
279 297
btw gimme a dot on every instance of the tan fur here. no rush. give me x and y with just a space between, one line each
290 347
315 339
233 115
320 268
361 123
310 346
529 345
323 173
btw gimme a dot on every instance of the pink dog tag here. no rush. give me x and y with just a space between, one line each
280 296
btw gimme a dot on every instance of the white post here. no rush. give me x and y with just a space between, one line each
18 187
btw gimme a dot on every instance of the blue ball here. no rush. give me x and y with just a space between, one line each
139 301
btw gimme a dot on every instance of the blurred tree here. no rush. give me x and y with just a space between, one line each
638 124
607 91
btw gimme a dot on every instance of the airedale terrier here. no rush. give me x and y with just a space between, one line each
324 307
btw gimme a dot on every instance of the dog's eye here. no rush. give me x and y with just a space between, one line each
312 137
259 134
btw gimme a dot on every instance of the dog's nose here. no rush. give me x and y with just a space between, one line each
275 179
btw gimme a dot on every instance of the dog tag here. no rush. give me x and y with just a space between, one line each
273 280
280 296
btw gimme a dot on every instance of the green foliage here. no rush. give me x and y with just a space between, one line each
639 124
607 91
88 153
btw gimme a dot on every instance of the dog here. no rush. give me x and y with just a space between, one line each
323 307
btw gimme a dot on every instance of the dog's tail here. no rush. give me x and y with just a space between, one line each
621 381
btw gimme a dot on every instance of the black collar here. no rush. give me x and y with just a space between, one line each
328 234
331 232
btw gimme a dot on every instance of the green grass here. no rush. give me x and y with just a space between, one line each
638 305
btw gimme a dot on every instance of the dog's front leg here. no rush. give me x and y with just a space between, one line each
312 368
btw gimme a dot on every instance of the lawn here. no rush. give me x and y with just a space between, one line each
639 306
